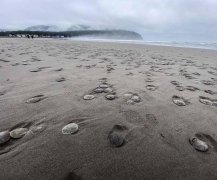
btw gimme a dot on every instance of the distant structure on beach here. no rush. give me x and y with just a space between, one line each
52 31
107 34
22 35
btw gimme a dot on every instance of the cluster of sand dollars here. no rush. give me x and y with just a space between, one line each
132 98
17 133
104 87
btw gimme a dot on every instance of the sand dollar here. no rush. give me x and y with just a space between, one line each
199 144
180 88
151 87
35 99
108 90
89 97
110 96
4 137
136 99
149 80
130 102
103 86
70 128
128 95
180 101
18 133
98 90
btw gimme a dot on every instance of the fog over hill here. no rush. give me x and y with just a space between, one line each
43 28
75 27
76 31
156 20
80 27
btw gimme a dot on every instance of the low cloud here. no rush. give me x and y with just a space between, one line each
156 19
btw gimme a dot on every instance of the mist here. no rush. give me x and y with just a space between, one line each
186 20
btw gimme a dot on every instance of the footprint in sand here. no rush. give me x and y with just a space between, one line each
176 83
147 73
15 64
188 76
151 87
35 59
4 60
130 74
36 98
72 176
35 70
134 117
145 124
151 120
213 73
196 73
117 135
44 67
4 137
109 69
206 91
180 88
59 69
60 79
214 79
207 82
191 88
208 101
3 92
180 101
149 80
168 138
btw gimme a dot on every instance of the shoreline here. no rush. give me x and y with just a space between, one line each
152 43
191 45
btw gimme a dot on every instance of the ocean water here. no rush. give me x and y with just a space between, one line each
199 45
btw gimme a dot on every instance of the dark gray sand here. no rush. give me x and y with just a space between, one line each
150 112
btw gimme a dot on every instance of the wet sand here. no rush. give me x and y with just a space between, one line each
155 98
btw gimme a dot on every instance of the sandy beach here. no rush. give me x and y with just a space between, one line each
155 98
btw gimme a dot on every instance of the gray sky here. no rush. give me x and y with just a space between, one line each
189 20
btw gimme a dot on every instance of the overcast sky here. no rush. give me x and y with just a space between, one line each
193 20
